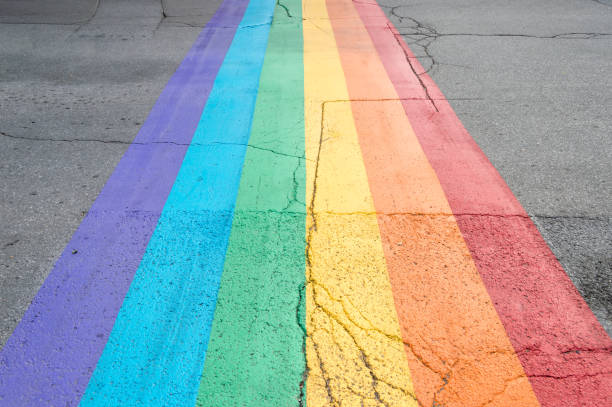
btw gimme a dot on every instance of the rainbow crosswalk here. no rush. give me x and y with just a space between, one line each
303 220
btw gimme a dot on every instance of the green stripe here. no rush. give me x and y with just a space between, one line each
255 356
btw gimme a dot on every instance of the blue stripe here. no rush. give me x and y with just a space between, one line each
156 351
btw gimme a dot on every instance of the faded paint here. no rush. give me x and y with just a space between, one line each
454 338
354 347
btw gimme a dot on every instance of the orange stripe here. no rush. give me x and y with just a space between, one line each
354 348
458 351
564 350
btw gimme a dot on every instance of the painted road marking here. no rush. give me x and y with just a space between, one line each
255 356
564 350
448 322
53 351
375 255
160 337
354 347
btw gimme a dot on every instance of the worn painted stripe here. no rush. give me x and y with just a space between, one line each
53 351
564 350
156 351
458 351
255 356
354 349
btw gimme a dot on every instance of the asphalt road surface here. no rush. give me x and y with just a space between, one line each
76 87
536 81
531 82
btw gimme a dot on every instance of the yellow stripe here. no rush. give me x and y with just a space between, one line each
354 349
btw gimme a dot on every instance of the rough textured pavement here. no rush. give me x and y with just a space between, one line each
530 83
80 85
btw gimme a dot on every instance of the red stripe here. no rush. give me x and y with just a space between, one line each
563 348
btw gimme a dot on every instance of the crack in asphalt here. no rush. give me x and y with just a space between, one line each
375 379
557 377
499 393
278 3
592 350
318 27
299 157
563 36
365 360
11 243
344 319
471 214
162 17
326 379
255 25
317 286
312 228
22 23
302 326
91 17
538 350
602 3
308 254
163 9
398 39
165 15
424 35
295 186
78 140
152 143
303 157
429 33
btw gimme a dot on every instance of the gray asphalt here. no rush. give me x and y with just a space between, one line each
78 78
536 79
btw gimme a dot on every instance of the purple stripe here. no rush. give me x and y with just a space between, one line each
53 351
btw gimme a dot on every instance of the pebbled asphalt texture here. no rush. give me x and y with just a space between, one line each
531 82
77 80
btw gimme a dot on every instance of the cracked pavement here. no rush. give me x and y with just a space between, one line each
77 80
539 84
531 83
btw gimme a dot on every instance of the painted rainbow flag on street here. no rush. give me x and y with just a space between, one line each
303 221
